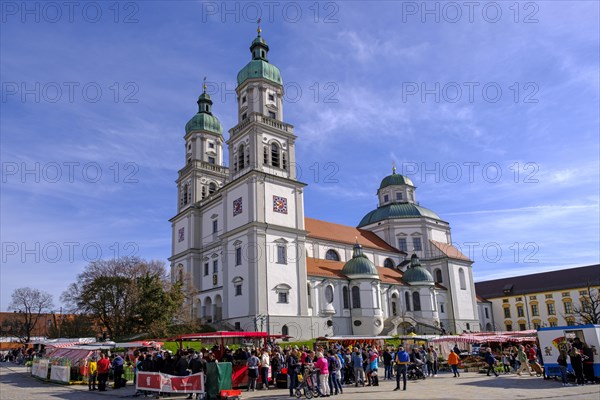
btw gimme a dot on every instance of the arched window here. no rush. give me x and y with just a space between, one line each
275 155
240 157
394 304
285 330
329 294
388 263
438 275
416 298
309 295
265 155
407 301
332 255
461 278
355 297
345 298
212 187
203 192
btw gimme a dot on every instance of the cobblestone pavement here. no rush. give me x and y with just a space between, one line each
16 384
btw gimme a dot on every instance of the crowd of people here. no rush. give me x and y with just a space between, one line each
328 368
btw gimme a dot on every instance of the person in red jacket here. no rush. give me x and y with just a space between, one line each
103 367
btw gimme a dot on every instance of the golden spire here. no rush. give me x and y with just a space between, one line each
204 85
393 167
258 30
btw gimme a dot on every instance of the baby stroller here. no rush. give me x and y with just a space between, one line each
414 372
308 384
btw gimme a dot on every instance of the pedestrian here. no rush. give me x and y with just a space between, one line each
491 362
577 364
323 366
92 373
434 360
359 372
453 362
562 363
522 359
401 361
103 368
506 362
265 366
252 363
387 364
292 370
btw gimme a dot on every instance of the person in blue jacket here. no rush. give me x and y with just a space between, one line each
491 362
401 362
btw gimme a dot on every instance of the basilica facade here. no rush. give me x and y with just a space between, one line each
241 236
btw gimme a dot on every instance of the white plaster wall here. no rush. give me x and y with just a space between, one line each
277 274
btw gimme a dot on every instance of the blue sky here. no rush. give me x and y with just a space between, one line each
492 112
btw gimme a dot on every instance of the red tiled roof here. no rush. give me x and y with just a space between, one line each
345 234
449 250
333 269
542 282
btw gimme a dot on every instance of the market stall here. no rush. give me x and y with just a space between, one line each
223 338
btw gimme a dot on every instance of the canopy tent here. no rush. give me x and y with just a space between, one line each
75 354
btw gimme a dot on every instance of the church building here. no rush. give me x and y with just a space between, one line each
241 236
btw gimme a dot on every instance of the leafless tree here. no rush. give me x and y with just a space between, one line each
29 305
589 309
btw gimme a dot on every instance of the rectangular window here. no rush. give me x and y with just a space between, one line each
487 313
522 327
505 300
509 327
282 297
212 160
238 326
535 310
244 116
565 294
271 97
281 254
532 297
549 296
553 323
402 244
417 244
582 292
205 269
551 310
506 312
238 256
386 198
215 226
520 312
272 115
398 196
442 308
519 299
536 325
238 289
211 145
568 307
215 266
243 99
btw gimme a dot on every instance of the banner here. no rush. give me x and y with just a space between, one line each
60 374
40 369
159 382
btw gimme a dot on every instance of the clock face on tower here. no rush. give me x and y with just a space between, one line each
237 206
280 204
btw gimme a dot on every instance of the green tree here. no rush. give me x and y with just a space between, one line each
126 295
29 306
